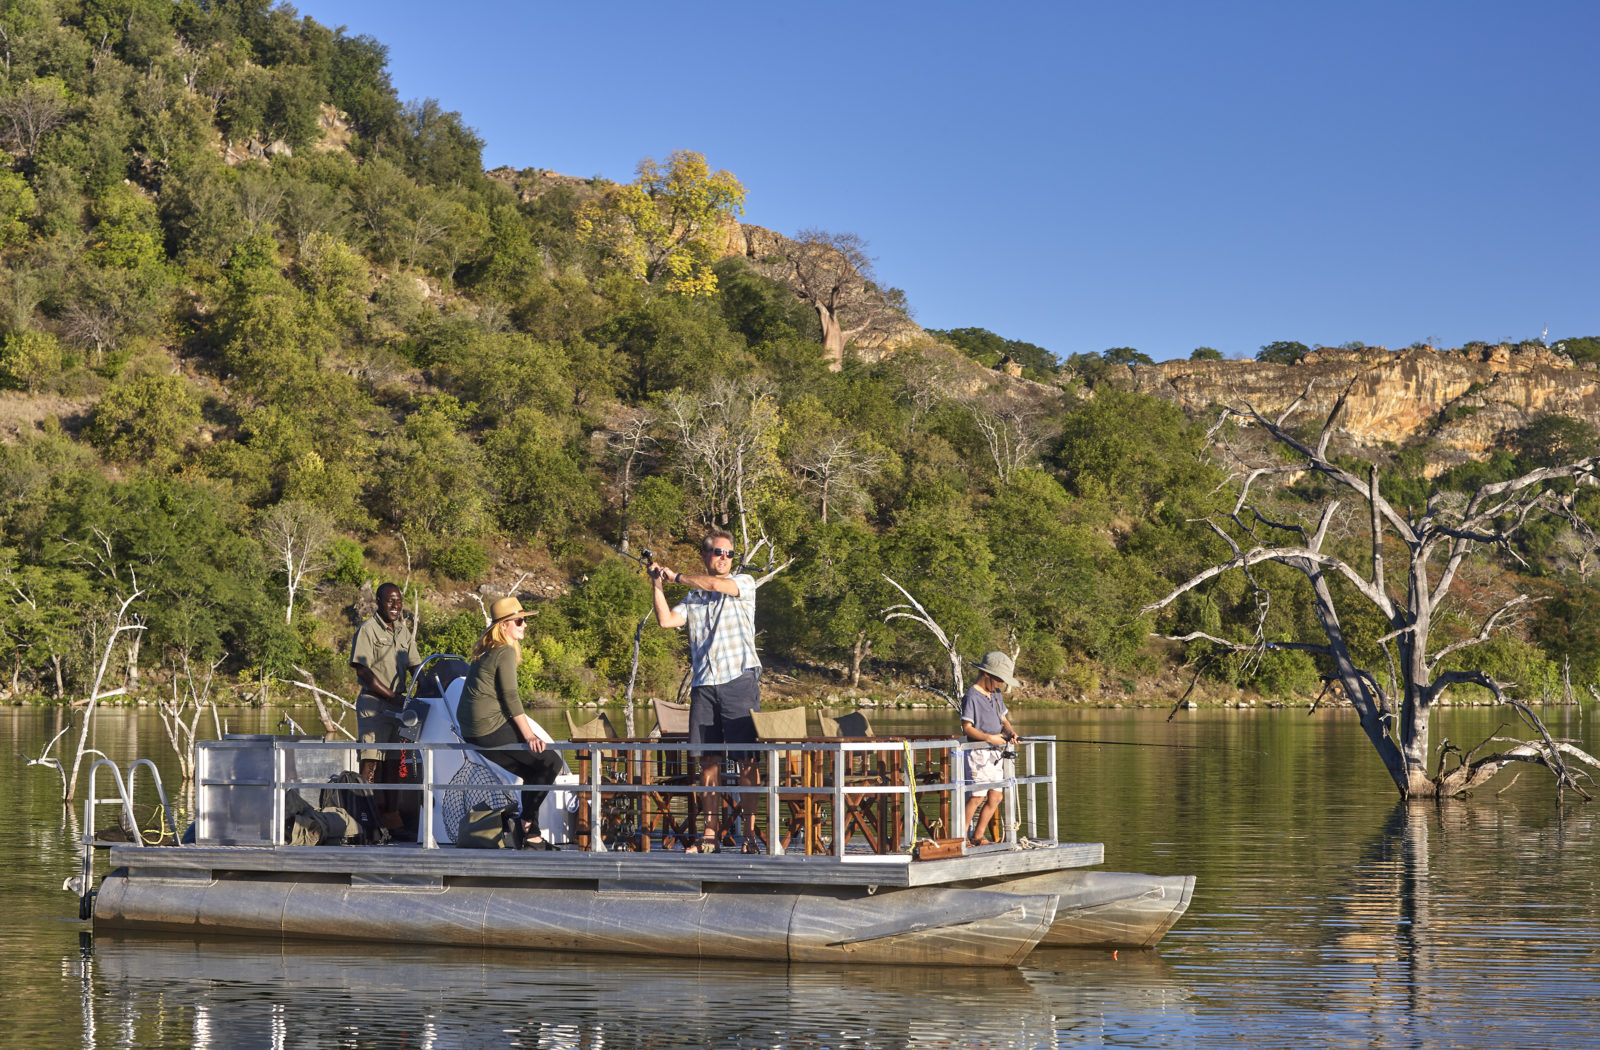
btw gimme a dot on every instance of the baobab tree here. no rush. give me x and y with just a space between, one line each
832 273
1435 542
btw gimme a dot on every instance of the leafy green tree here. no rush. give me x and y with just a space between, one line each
17 207
59 197
603 614
146 419
206 578
659 509
460 558
510 260
261 325
498 371
938 552
1128 449
29 360
673 342
434 145
1554 439
541 487
1126 355
1583 349
200 213
293 107
667 224
432 476
357 78
338 282
831 601
987 348
1047 571
1205 353
1282 352
761 309
1567 625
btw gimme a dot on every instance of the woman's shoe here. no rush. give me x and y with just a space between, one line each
705 845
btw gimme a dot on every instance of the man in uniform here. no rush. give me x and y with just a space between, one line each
383 650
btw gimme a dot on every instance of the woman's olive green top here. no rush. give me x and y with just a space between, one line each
489 699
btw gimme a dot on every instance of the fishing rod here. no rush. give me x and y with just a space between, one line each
645 562
1142 743
1117 743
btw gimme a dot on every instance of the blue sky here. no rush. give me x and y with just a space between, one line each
1161 175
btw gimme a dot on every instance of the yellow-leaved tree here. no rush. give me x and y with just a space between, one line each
669 224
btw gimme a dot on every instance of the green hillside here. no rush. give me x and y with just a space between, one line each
270 334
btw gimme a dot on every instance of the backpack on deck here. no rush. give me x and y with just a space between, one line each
353 797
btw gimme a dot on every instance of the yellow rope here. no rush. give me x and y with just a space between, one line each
160 831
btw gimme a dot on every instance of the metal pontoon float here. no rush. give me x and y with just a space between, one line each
612 887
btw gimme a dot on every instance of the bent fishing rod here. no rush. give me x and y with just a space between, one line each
1115 743
644 559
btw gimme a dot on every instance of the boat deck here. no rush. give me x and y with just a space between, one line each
410 864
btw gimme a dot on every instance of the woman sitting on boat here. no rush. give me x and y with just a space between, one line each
491 714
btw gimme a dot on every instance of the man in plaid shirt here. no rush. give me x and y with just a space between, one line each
720 611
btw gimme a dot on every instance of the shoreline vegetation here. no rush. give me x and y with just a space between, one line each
270 336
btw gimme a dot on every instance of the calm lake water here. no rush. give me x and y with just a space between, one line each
1325 915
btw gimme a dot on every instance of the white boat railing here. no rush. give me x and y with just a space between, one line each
844 781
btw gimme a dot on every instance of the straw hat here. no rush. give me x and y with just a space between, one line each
1001 666
507 608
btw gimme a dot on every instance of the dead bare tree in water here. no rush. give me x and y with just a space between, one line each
124 623
1435 541
330 723
180 716
911 609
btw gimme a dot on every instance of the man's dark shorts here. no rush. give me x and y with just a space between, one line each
720 714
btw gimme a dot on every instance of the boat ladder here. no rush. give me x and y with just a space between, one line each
83 883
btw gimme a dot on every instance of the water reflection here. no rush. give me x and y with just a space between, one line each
1325 914
180 992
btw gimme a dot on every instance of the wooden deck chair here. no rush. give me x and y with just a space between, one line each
781 725
670 767
597 728
870 814
619 813
851 725
672 720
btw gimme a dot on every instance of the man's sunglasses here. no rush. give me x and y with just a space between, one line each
719 552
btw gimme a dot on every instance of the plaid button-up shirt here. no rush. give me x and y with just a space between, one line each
722 632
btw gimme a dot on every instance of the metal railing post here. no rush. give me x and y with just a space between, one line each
959 815
774 820
596 827
913 804
841 826
1033 791
279 775
427 831
1051 800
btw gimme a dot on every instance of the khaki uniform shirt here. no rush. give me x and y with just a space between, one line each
387 652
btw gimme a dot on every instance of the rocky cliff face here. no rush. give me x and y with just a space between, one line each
1463 401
